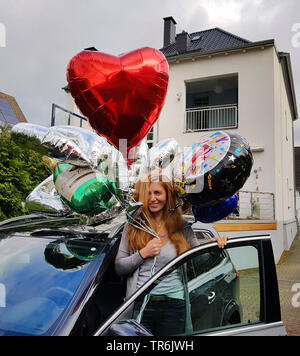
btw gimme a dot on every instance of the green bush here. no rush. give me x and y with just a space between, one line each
21 170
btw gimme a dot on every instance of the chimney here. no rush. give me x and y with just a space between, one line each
183 42
169 30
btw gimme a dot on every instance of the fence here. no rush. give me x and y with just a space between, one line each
62 116
211 118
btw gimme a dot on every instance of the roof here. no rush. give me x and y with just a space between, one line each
10 112
207 41
217 40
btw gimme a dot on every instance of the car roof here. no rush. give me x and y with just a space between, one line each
35 222
197 225
74 223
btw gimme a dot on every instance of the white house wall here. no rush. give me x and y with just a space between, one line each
284 163
75 121
255 106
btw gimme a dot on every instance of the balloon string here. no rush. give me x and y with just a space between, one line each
141 226
149 222
174 232
131 219
147 296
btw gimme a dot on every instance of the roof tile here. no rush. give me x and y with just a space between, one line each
208 40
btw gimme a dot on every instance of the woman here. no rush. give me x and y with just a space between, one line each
140 251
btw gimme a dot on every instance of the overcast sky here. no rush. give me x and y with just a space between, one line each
41 36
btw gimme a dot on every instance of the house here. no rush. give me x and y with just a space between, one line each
10 112
219 81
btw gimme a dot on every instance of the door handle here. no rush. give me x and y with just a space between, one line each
211 297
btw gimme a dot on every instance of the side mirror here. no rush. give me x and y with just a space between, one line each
127 328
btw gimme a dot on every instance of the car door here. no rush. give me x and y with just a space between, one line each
205 295
237 295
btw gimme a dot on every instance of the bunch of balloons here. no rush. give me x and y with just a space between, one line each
122 97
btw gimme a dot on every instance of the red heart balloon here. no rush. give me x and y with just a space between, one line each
122 96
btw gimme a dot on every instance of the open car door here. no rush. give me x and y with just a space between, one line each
231 291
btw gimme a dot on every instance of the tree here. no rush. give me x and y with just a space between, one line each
21 170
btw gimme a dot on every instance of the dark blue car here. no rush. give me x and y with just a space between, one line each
57 277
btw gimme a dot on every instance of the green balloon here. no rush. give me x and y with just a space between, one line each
83 189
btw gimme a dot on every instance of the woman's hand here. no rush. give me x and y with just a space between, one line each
152 248
222 241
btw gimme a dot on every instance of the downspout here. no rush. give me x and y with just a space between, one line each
294 111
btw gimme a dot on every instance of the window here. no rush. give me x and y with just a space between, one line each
203 235
209 290
212 103
150 137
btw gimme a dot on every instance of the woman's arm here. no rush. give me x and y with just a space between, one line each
221 240
194 241
125 262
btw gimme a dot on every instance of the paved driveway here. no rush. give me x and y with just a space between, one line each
288 272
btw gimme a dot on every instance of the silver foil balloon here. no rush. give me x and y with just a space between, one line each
161 157
91 146
106 215
63 148
59 144
82 147
139 158
112 164
79 147
163 153
31 130
44 199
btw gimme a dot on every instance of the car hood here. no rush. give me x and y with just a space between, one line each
41 270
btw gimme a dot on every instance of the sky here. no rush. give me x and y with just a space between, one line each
39 37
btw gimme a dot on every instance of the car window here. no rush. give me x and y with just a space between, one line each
210 290
204 262
202 234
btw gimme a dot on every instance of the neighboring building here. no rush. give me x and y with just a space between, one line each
10 112
219 81
69 116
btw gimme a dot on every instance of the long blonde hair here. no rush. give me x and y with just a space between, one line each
137 238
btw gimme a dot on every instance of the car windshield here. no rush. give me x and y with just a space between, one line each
39 276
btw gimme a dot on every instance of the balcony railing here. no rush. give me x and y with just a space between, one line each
62 116
255 205
211 118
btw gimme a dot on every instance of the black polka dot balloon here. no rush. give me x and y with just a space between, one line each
214 169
